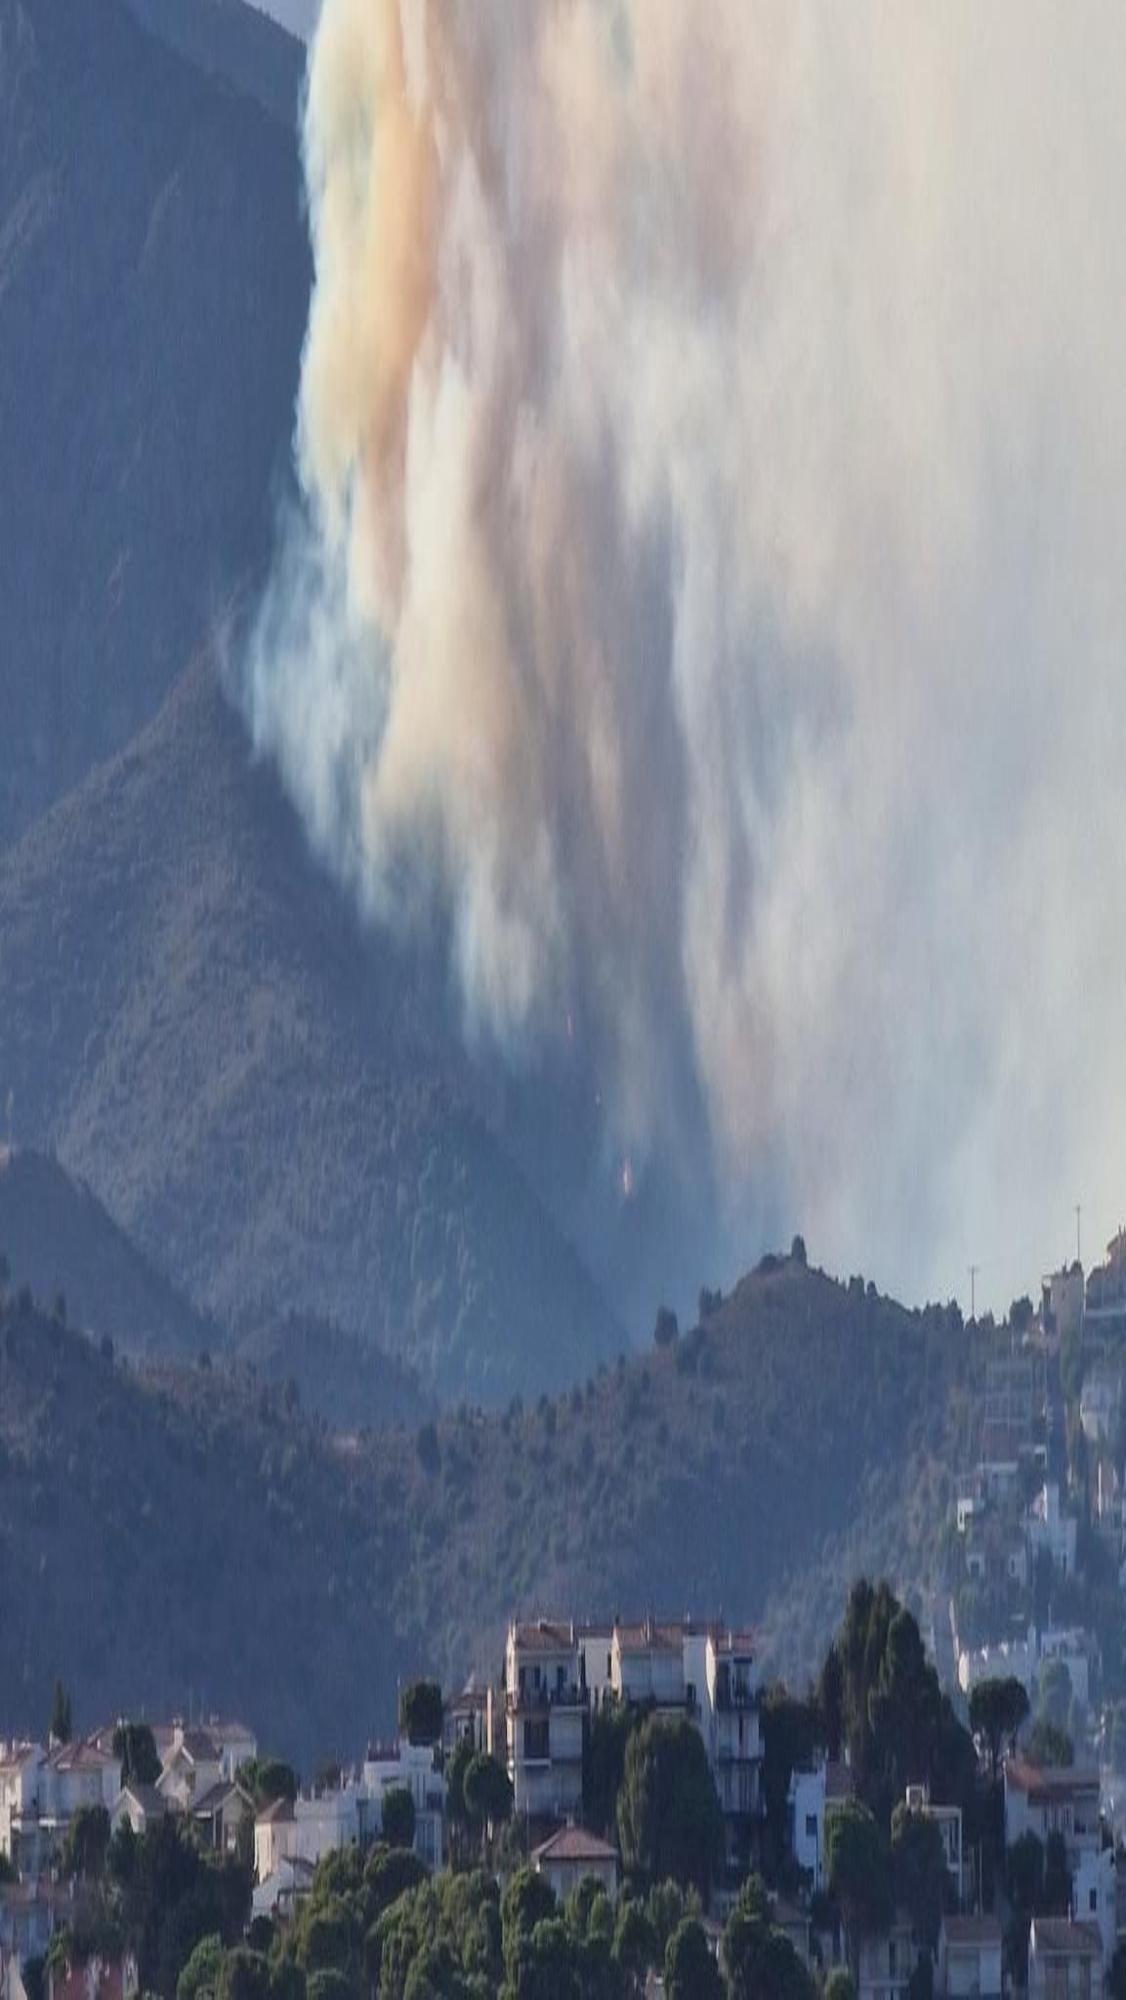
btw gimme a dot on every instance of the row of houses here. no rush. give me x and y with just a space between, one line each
558 1674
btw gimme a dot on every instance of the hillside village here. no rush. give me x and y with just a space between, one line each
942 1810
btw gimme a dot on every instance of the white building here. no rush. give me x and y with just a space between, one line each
192 1765
557 1675
570 1856
1051 1530
41 1790
1070 1645
812 1796
1053 1799
887 1962
1015 1658
948 1820
1094 1897
409 1767
970 1958
545 1712
1064 1960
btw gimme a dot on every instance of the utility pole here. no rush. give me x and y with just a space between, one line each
974 1269
1078 1237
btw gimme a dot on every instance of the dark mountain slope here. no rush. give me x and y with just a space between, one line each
205 1533
274 1111
154 275
58 1238
239 43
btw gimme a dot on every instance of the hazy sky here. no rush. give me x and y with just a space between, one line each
711 592
296 15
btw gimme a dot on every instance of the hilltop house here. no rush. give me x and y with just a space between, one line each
570 1855
192 1767
948 1820
556 1674
1064 1960
1053 1799
1052 1531
812 1796
970 1957
41 1790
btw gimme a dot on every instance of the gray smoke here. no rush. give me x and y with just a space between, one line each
709 591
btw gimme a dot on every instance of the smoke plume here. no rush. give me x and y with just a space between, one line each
709 590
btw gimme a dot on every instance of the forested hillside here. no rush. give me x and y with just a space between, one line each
274 1106
59 1240
198 1530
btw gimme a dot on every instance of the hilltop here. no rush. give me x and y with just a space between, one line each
294 1572
58 1238
154 284
275 1107
239 43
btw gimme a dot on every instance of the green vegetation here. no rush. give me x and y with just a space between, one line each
328 1568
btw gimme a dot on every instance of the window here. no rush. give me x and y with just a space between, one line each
1092 1900
559 1672
811 1826
536 1740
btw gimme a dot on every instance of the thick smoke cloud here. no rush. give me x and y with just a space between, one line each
709 593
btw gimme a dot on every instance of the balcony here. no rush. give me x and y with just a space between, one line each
533 1700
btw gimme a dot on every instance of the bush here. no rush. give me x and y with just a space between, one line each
398 1817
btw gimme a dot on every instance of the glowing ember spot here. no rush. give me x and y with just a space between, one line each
627 1180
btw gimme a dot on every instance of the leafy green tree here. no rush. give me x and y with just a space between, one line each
1024 1874
390 1872
839 1985
669 1818
457 1812
60 1714
528 1900
1048 1745
1053 1697
792 1731
604 1761
135 1744
243 1975
858 1873
200 1978
398 1817
998 1711
267 1779
666 1330
636 1948
86 1844
691 1972
328 1984
760 1960
1056 1893
420 1712
920 1881
1116 1977
488 1794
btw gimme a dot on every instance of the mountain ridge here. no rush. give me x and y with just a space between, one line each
272 1104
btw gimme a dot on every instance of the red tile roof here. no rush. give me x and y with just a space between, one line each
1060 1936
573 1843
1049 1781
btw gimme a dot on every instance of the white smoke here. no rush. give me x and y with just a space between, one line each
712 579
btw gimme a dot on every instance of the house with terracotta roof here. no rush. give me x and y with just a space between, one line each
545 1716
140 1805
41 1790
1047 1799
557 1674
970 1958
192 1766
224 1816
1064 1960
570 1856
